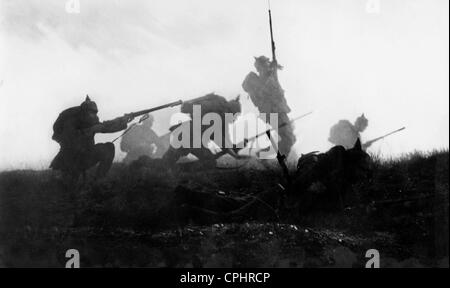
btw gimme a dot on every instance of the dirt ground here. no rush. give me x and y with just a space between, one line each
128 220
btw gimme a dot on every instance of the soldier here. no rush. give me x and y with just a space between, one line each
325 179
346 134
268 96
142 141
210 103
74 130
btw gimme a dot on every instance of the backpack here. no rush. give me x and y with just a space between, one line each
63 117
211 103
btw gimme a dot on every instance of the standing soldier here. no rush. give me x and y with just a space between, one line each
142 141
267 95
345 134
74 130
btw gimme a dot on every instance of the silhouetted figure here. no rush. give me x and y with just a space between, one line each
268 96
335 171
210 103
345 133
141 140
74 130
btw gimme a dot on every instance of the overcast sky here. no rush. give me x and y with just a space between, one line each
387 58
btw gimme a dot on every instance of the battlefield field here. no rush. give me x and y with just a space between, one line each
130 219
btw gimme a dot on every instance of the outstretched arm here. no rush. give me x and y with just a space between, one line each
111 126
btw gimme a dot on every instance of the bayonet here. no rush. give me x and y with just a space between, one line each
273 47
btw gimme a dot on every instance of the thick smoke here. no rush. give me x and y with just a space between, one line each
392 65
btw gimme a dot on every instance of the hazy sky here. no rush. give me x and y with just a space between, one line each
386 58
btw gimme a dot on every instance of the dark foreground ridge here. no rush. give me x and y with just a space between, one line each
132 219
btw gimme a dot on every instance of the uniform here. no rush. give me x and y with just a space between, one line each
268 96
74 130
141 141
346 134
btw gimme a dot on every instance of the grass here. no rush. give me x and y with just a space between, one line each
133 210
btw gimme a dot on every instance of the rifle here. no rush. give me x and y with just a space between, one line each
272 41
143 112
143 118
145 115
369 143
243 144
281 158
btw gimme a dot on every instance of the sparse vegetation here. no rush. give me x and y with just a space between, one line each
129 219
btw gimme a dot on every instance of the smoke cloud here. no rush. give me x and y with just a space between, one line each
340 60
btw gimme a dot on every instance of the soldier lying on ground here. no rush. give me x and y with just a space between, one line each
74 130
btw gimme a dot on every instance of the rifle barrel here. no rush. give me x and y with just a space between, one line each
384 136
274 57
142 112
242 145
146 111
390 133
279 126
398 130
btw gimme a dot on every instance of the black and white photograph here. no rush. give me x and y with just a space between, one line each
252 134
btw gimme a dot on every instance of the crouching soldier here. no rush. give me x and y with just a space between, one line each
74 130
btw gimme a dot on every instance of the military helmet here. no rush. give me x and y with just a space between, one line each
361 123
89 105
265 62
234 105
262 59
